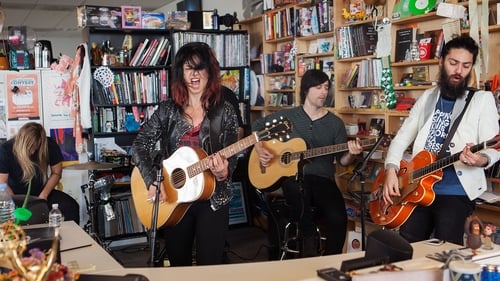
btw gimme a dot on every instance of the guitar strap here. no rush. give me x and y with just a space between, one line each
215 117
453 128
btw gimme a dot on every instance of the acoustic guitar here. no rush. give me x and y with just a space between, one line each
287 155
416 181
187 178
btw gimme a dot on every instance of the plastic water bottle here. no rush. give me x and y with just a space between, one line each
7 205
55 216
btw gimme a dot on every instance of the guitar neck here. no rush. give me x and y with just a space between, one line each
329 149
444 162
226 152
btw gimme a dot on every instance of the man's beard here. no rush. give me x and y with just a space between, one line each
449 90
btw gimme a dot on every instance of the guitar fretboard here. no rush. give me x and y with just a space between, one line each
324 150
202 165
447 161
276 130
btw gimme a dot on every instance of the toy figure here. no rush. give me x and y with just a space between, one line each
473 228
489 229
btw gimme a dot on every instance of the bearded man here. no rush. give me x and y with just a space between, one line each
427 127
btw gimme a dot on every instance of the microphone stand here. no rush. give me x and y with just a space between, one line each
154 218
359 171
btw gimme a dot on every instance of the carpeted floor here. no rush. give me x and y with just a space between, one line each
244 244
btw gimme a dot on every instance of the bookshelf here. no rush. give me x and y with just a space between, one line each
130 70
424 24
294 37
136 85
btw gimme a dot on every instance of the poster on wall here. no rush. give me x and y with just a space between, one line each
64 138
13 126
231 79
56 99
22 96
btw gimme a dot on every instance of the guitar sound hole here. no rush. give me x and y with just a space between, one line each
285 158
178 178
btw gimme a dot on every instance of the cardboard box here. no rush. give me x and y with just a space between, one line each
151 20
101 16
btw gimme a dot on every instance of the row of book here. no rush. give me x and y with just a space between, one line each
126 220
367 73
298 21
231 50
356 40
133 88
151 52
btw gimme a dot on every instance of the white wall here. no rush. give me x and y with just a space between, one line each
67 43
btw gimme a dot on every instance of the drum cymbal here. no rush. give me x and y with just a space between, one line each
92 165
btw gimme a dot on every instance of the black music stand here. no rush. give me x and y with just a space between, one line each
91 226
359 171
154 260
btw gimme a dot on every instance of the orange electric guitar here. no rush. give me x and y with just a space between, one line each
287 155
416 179
187 177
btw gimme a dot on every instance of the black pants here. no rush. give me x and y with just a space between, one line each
324 195
68 206
203 225
445 218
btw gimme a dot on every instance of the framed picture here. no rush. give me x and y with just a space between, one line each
131 17
207 20
237 206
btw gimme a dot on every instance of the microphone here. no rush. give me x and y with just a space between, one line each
360 166
108 209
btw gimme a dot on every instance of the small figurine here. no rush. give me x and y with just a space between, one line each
473 228
488 231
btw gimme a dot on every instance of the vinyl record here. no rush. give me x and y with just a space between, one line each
419 7
254 88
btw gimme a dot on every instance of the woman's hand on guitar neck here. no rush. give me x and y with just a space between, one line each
391 185
152 193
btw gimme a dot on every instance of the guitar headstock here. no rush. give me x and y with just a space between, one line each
278 128
493 143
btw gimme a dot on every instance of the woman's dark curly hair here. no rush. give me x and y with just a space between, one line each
202 57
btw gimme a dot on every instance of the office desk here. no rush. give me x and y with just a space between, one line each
94 259
297 269
77 245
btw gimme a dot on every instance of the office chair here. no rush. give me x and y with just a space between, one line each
38 207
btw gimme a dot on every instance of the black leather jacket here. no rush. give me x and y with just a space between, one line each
161 134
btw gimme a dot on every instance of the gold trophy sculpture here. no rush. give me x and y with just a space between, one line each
13 244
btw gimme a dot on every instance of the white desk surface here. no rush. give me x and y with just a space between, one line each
95 260
297 269
77 245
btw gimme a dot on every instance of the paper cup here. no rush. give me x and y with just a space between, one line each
464 271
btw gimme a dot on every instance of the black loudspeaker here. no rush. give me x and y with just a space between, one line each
388 243
189 5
